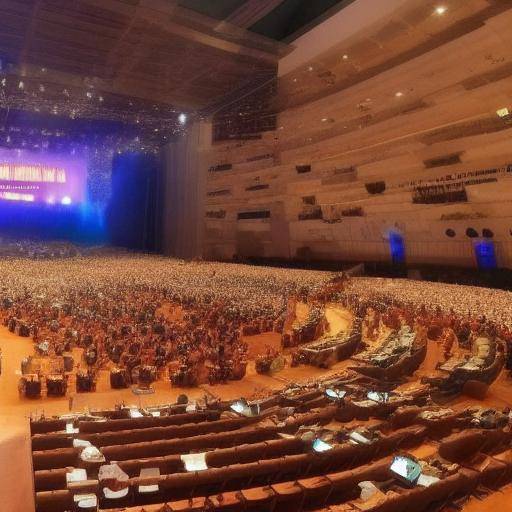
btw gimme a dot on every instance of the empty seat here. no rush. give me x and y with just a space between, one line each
51 441
225 502
54 501
52 459
316 491
50 479
46 426
259 499
288 496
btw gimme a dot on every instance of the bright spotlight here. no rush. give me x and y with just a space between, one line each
440 10
182 118
66 200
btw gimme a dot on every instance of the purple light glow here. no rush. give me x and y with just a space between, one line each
46 178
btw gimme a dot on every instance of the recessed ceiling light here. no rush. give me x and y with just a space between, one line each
182 118
441 9
399 94
345 57
503 112
294 79
310 68
324 119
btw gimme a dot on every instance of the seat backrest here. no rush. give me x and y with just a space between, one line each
45 426
52 459
51 441
54 501
50 479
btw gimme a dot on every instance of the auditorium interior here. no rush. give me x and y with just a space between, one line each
255 255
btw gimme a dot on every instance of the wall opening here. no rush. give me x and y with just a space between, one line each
485 255
397 248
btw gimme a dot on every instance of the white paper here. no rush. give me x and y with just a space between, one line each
195 461
77 475
80 443
427 480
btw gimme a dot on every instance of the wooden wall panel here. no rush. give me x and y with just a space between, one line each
427 117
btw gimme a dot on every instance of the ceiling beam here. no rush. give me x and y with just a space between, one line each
252 11
206 39
29 32
123 86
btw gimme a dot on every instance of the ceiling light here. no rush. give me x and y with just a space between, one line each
503 112
441 9
324 119
345 57
310 68
182 118
399 94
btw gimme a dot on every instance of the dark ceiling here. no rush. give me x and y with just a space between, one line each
282 20
142 62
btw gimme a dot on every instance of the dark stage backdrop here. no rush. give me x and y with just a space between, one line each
135 209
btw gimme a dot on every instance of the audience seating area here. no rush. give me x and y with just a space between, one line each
215 459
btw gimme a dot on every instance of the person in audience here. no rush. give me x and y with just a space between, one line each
132 311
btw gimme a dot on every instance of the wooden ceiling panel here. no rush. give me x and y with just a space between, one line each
145 48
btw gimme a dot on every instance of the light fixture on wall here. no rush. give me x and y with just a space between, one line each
441 9
182 118
345 57
399 94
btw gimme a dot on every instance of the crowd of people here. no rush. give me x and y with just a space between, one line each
445 312
149 315
121 310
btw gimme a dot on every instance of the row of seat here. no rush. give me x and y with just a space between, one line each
285 496
216 437
47 425
54 479
120 419
115 425
41 442
239 476
310 493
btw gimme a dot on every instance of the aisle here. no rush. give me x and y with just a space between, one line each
14 349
